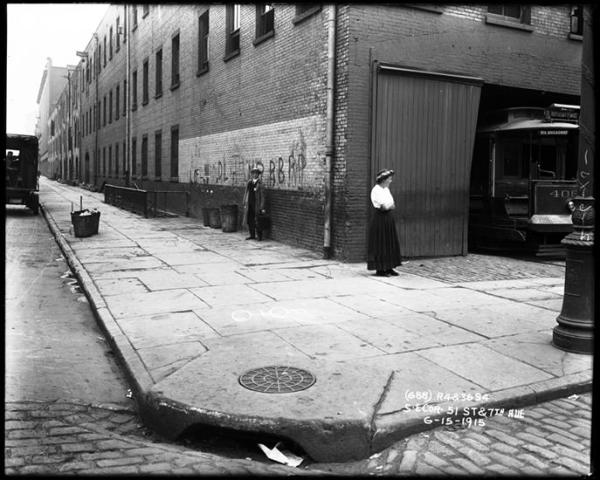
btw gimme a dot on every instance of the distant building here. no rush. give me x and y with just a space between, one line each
190 97
54 80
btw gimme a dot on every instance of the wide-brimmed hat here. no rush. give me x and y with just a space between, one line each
255 170
383 174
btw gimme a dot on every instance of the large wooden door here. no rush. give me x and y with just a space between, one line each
424 129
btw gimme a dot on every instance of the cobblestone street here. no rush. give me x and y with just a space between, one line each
478 267
552 438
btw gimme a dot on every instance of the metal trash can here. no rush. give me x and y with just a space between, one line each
214 218
85 222
206 216
229 218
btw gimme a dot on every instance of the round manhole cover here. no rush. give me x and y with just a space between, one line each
277 379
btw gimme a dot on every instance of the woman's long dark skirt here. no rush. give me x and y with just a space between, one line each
383 249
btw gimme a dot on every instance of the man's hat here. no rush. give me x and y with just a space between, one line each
383 174
255 170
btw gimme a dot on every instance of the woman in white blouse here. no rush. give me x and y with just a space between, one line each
383 250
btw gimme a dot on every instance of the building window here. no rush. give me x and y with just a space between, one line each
145 10
116 160
134 22
117 102
98 57
110 44
175 62
134 90
118 32
158 154
232 41
175 153
110 106
104 112
305 10
144 156
133 156
104 161
145 83
124 98
158 81
110 160
265 21
512 12
105 50
577 20
203 43
124 160
52 128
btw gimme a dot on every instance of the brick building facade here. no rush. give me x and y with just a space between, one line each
216 89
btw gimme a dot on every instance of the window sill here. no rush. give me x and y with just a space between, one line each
174 86
264 37
144 103
202 71
231 55
574 36
174 179
502 21
134 107
117 49
158 95
304 15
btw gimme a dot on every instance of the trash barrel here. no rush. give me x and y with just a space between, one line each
214 218
85 222
206 216
229 218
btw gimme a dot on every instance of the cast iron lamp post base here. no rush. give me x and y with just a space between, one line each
575 330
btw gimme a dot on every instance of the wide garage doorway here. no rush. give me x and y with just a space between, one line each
423 127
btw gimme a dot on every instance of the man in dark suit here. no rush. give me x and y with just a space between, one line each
254 204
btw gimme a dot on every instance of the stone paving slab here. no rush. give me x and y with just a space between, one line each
489 321
485 366
535 348
465 324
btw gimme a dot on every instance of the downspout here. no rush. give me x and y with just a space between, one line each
96 120
329 140
127 38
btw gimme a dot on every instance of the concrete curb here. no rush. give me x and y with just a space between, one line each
135 371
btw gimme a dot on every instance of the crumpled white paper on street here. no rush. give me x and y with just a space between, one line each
283 456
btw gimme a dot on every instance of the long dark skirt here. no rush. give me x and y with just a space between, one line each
383 249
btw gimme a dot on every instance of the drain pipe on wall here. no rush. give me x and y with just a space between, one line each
329 141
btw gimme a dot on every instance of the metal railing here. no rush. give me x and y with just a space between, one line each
149 203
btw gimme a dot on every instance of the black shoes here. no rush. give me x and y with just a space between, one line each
251 237
386 273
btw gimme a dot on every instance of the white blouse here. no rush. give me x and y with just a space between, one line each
382 197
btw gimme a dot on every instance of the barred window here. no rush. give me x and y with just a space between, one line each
265 20
175 61
203 42
158 67
232 41
577 19
516 12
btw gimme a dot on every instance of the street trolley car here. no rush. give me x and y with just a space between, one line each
21 171
523 179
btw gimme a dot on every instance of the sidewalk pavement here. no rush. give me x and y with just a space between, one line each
190 310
